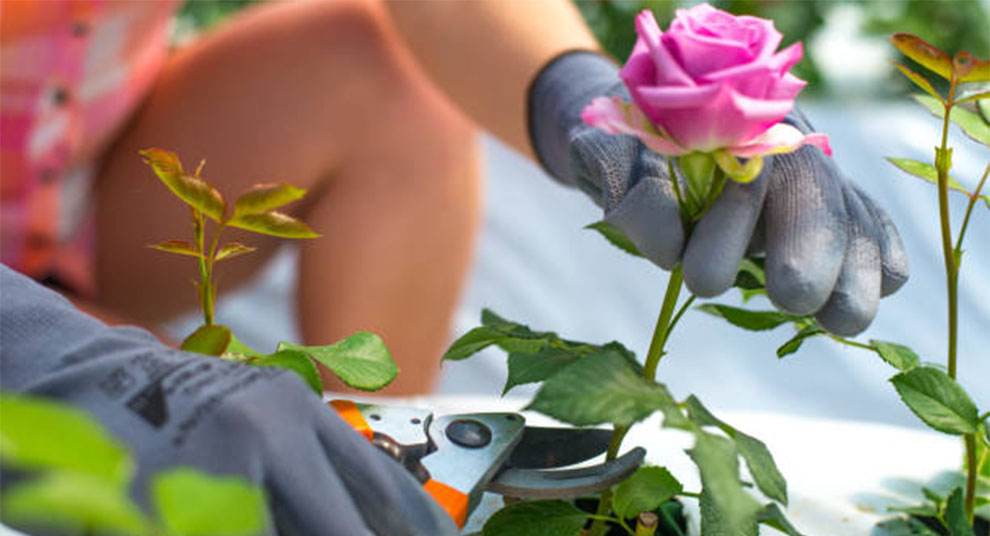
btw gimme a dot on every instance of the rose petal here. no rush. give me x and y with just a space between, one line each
615 116
780 138
785 59
786 87
665 97
727 119
639 69
700 54
767 37
667 70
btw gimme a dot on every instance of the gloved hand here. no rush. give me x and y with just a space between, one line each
321 478
830 250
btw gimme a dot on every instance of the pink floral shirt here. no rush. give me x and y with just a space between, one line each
71 73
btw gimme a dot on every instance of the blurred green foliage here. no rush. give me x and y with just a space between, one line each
951 25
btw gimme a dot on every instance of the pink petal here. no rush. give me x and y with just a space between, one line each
786 87
677 97
780 138
700 54
727 119
639 69
785 59
667 70
615 116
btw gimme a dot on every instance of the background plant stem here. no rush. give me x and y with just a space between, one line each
952 261
205 284
665 323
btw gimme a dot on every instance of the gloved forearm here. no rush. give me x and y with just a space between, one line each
175 408
556 97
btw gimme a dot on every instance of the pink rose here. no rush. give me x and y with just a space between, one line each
712 82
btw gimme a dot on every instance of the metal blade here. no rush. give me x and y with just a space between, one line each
565 483
544 448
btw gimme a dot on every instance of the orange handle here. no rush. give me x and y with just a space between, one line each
451 500
352 416
454 502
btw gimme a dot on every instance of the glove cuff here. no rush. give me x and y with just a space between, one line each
555 99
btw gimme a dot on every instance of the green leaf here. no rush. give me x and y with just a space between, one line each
531 368
896 355
514 337
925 171
233 249
746 318
600 388
274 224
971 123
645 490
971 69
177 246
925 54
979 95
937 400
536 518
758 458
296 361
192 503
361 361
919 81
797 340
955 516
265 197
40 434
615 237
72 503
772 516
903 526
726 508
236 347
196 192
750 279
208 340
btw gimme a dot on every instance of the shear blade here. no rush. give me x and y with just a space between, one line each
544 448
565 483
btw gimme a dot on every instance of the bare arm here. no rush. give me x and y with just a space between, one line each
484 53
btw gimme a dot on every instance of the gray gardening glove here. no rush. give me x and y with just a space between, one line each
320 477
830 250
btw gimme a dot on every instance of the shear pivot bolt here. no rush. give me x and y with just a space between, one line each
469 433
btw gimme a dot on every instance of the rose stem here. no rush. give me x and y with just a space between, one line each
646 524
942 164
665 323
205 285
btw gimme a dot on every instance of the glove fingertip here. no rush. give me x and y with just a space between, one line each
649 216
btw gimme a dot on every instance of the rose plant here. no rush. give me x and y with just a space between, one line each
931 392
361 360
710 93
710 90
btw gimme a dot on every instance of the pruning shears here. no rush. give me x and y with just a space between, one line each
458 457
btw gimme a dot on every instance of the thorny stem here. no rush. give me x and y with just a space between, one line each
662 331
665 323
952 261
969 210
646 524
205 286
849 342
951 270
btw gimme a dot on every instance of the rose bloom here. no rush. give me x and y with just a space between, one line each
712 81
